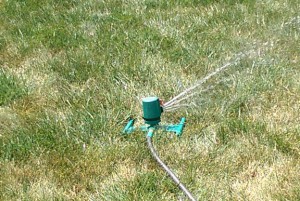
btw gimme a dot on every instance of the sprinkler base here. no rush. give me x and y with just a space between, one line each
176 128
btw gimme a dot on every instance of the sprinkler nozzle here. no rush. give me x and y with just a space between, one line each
161 103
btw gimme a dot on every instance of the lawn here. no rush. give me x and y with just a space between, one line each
73 72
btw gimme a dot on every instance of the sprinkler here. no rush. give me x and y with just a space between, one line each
152 110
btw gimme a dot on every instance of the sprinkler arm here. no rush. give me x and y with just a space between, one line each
129 127
177 128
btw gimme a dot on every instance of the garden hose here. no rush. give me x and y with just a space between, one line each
167 169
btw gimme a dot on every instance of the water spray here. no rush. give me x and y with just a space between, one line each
190 92
152 110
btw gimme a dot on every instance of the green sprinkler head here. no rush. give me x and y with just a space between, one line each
152 110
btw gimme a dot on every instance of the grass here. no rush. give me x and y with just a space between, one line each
73 72
11 89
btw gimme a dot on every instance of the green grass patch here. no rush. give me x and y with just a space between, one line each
11 88
73 72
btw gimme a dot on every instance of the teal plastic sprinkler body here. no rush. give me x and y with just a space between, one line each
152 111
